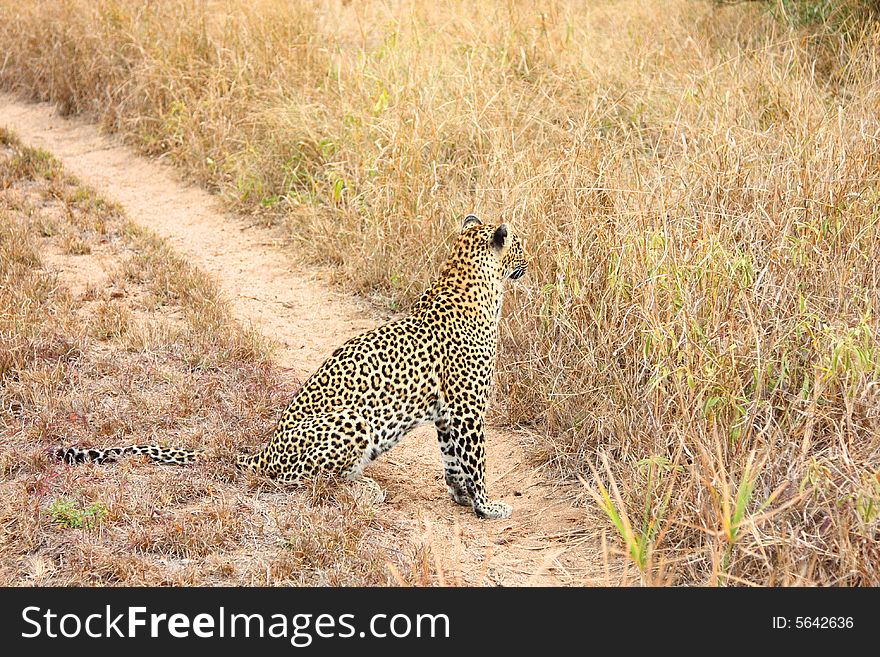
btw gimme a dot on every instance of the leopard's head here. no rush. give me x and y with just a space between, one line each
503 248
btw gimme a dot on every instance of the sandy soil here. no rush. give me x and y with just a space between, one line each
547 541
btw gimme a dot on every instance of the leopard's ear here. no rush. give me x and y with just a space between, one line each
500 237
470 220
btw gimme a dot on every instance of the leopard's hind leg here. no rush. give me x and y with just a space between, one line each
330 443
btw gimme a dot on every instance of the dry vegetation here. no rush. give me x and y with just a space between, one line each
107 337
698 183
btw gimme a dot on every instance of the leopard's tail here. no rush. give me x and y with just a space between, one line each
250 462
168 455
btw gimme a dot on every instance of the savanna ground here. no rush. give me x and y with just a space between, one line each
110 336
698 183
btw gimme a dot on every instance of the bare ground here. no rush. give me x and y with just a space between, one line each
547 541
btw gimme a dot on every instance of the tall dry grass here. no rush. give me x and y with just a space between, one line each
698 182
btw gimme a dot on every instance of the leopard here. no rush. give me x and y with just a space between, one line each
435 365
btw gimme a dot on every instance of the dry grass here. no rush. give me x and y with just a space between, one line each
698 182
120 341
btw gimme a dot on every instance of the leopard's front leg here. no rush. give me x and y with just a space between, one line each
469 446
453 474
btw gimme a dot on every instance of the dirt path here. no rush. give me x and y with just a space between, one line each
545 542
